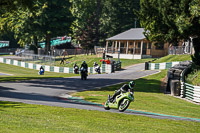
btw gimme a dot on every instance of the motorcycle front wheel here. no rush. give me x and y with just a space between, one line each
123 105
106 107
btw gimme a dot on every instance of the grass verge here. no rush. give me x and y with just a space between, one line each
20 73
90 59
23 118
194 76
171 58
148 98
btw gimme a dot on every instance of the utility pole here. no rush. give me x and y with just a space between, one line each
135 22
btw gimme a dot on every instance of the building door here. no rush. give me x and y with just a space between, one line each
144 50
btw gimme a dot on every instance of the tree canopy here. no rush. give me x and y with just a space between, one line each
99 19
172 21
44 19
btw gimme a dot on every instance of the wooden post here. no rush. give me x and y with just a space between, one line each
120 45
113 43
134 48
115 46
127 47
106 46
141 47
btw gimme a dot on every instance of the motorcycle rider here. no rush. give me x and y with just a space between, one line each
125 88
96 67
41 72
95 64
76 68
84 65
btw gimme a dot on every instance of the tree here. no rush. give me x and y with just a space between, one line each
171 21
87 24
188 22
100 19
49 18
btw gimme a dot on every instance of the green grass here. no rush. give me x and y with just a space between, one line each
27 118
194 77
20 73
171 58
148 98
90 59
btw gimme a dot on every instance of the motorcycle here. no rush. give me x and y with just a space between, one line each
83 73
121 101
97 69
41 72
76 70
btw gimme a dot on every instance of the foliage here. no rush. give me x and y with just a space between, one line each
43 20
171 21
194 76
99 19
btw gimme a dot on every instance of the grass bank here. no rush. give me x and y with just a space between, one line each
23 118
90 59
194 76
148 97
171 58
20 73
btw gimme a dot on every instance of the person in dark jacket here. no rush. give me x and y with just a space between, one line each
84 65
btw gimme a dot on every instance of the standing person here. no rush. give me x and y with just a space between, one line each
107 61
62 61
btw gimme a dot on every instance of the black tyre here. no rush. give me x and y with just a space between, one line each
123 105
106 107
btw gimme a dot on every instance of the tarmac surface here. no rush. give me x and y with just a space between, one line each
56 91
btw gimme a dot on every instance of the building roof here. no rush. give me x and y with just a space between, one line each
132 34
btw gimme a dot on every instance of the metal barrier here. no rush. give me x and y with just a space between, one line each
38 59
105 68
117 66
189 91
177 50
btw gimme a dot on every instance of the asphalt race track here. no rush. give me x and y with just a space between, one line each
55 91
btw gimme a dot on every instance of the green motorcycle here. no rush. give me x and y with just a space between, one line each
121 102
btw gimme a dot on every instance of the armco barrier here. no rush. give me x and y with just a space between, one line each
156 66
189 91
105 68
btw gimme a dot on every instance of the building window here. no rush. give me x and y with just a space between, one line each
149 46
122 45
139 44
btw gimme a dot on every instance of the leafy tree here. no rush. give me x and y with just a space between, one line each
46 19
99 19
171 21
188 22
87 24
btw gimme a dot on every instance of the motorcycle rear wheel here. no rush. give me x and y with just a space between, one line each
123 105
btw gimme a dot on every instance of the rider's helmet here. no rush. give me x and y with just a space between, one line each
131 84
83 62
